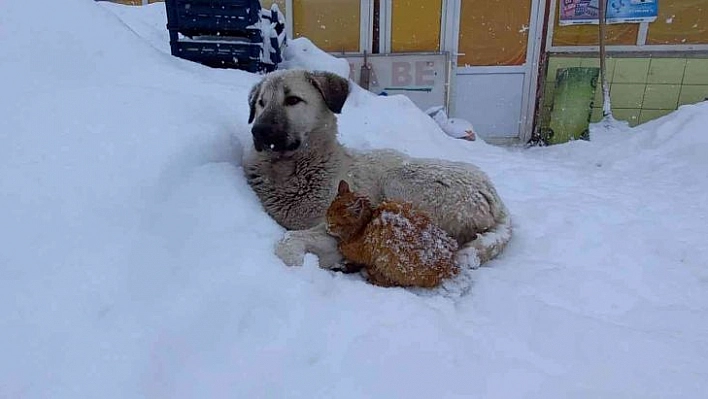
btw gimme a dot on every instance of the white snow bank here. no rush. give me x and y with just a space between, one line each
149 22
673 147
136 262
676 137
301 53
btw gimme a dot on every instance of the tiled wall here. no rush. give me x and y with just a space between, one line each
641 89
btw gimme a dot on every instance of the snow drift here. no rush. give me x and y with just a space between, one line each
136 262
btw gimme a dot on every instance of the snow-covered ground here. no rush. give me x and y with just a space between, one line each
136 263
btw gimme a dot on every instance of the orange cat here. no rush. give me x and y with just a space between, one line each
398 245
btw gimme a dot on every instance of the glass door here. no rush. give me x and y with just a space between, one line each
497 48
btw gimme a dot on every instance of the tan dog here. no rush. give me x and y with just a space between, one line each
297 164
397 245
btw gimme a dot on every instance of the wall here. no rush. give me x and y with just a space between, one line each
652 71
641 89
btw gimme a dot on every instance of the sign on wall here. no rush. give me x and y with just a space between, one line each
423 77
577 12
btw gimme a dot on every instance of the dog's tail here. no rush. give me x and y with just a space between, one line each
487 245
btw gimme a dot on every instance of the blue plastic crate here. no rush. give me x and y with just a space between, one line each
241 55
212 17
226 33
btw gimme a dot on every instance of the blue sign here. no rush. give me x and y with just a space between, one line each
576 12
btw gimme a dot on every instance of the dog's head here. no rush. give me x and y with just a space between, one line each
287 107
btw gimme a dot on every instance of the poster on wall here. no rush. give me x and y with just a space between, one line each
580 12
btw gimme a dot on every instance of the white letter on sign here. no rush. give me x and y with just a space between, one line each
424 73
401 74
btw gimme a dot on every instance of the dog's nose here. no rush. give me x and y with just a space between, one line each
273 137
260 130
262 136
268 130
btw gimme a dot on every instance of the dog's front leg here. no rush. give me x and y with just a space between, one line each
295 244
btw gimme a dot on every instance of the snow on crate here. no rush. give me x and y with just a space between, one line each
272 26
136 261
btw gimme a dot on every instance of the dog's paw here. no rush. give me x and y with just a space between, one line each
467 258
291 251
332 260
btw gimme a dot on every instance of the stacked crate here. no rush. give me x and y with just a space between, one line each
226 33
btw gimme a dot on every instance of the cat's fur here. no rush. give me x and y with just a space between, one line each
398 245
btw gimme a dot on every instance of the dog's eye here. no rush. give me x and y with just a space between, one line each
261 103
292 100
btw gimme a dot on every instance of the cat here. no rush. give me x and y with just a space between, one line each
396 244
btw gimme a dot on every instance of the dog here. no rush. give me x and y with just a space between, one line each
298 163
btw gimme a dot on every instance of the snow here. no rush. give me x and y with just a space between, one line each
301 53
454 127
136 262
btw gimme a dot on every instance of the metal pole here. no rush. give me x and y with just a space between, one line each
606 105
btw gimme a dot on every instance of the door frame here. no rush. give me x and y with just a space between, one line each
530 68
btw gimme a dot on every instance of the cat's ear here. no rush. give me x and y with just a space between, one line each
343 187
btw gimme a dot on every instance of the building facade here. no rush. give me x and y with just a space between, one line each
494 62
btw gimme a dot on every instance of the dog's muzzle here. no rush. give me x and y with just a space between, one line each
271 138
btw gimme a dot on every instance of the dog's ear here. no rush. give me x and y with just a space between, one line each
334 89
252 97
343 187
